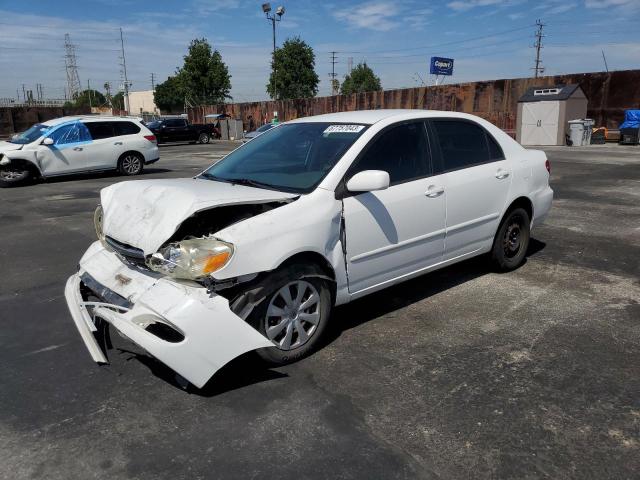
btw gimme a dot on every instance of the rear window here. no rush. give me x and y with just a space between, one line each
100 130
175 122
125 128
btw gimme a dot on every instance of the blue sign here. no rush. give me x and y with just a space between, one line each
441 66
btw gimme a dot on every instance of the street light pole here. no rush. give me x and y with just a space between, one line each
266 8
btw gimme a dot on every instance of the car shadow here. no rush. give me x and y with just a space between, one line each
98 175
247 369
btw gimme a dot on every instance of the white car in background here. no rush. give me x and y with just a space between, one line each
254 252
77 144
257 132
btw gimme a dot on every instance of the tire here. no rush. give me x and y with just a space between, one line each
11 176
204 138
130 164
276 312
512 240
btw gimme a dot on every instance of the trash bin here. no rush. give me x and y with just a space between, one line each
580 131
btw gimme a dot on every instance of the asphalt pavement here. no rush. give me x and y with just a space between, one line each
461 373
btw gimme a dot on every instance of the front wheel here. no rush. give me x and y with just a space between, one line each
13 175
512 240
204 138
130 164
294 318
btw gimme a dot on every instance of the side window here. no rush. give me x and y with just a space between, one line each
175 122
401 151
100 130
495 151
71 133
462 144
125 128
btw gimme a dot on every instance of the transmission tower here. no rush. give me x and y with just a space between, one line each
71 66
538 68
349 65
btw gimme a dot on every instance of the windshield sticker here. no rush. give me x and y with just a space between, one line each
343 129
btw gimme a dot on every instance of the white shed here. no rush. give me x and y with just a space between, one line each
543 113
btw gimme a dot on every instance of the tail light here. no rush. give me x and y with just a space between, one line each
151 138
547 165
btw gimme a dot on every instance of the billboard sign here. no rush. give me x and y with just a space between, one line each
441 66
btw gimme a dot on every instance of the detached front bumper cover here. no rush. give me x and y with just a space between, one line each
210 334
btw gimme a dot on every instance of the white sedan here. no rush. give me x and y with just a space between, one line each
68 145
253 253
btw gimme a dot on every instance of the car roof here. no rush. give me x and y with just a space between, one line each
87 118
369 117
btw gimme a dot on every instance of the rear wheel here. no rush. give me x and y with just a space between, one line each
204 138
293 317
131 164
512 240
12 175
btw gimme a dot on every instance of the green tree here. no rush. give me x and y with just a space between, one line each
295 76
87 98
169 95
204 76
361 79
117 101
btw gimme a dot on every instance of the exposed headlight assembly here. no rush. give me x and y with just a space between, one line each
191 259
97 223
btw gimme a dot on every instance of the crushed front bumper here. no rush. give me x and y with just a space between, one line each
198 335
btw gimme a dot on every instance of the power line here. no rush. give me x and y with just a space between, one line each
538 69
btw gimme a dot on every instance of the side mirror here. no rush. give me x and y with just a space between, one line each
368 181
47 141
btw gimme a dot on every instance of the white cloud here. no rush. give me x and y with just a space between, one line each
629 5
378 15
464 5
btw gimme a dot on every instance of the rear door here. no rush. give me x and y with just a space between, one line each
68 152
477 179
175 129
394 232
103 152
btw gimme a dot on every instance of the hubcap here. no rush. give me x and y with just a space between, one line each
204 138
11 174
131 164
293 315
512 241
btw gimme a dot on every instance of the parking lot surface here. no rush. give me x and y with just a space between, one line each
461 373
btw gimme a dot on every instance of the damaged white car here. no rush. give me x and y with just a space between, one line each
253 253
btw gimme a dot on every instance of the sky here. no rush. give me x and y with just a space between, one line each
488 39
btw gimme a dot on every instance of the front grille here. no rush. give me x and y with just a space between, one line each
131 255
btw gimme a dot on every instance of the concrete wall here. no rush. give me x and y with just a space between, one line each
142 102
14 120
609 95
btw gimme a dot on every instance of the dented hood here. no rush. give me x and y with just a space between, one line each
8 146
145 213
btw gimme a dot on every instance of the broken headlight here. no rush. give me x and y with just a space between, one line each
191 259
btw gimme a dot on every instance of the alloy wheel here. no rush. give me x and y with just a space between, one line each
131 164
292 315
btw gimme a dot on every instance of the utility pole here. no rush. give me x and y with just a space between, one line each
606 67
153 82
89 93
333 74
538 69
349 65
126 79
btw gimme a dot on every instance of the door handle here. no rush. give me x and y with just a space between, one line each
77 149
500 174
434 191
118 143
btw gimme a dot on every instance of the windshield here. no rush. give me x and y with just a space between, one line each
30 135
293 157
264 128
154 124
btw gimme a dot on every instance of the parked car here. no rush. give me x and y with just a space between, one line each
258 131
77 144
256 251
180 130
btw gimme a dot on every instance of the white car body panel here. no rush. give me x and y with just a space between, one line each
369 240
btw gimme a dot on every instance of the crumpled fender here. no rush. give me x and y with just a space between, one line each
28 156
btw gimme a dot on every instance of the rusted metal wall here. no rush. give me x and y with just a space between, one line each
609 95
17 119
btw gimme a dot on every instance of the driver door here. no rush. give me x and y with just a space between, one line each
67 154
395 232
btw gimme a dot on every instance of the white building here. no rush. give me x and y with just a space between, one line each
142 102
